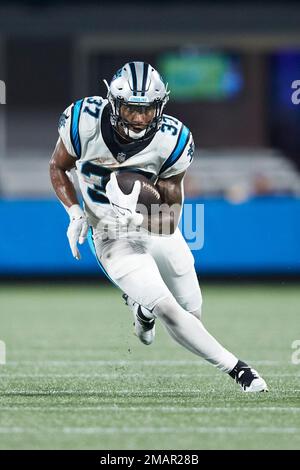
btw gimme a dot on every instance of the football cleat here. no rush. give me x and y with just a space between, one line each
144 328
248 378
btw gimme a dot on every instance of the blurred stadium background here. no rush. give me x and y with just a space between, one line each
230 68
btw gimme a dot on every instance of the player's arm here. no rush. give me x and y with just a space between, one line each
170 182
60 163
171 192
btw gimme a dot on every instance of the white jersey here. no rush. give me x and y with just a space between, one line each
88 136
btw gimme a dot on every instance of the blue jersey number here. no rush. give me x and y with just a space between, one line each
169 125
97 193
95 109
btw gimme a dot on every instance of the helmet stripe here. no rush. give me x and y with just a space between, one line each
145 76
134 79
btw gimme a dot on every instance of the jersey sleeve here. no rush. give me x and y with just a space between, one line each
65 129
181 156
78 124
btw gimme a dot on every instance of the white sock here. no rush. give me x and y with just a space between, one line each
189 331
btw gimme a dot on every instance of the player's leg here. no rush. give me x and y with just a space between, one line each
176 266
127 264
190 333
134 270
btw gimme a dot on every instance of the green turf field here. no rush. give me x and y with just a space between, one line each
77 378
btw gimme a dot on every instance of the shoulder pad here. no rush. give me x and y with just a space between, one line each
178 146
79 122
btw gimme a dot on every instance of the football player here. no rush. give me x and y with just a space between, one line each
129 131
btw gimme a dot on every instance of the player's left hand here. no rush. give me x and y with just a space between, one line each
124 205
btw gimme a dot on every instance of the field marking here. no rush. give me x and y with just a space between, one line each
170 363
180 430
107 391
164 409
47 349
101 391
153 430
118 375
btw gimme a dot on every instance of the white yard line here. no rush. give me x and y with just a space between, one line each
107 391
143 409
153 430
100 391
171 363
119 375
180 430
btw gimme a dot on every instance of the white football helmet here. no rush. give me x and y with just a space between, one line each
137 84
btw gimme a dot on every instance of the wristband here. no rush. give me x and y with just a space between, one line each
75 212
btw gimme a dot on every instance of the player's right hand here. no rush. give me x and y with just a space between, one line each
78 228
124 205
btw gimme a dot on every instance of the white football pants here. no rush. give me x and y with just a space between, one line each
159 274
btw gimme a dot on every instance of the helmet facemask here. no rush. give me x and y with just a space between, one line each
137 85
123 126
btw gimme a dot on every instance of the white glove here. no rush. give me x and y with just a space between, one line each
78 228
124 205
